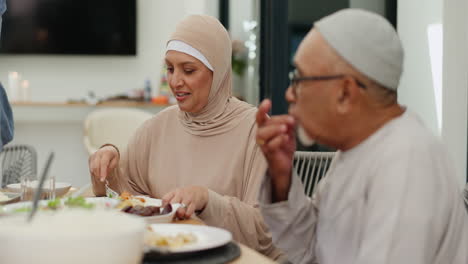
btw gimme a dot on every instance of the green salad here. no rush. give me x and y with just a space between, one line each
79 202
57 203
22 210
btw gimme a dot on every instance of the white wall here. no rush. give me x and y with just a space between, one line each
377 6
455 80
416 88
57 78
444 111
71 159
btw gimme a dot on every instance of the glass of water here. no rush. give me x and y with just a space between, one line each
26 188
49 188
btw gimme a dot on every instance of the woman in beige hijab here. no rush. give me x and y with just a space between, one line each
202 152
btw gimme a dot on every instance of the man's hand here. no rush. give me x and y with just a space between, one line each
276 138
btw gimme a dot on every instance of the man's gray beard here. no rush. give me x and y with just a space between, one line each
303 137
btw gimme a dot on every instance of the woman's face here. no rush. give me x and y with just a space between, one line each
190 81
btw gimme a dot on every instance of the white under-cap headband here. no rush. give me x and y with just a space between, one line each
181 46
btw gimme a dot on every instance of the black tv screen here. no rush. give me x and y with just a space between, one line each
93 27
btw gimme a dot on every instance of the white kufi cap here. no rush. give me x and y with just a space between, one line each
367 41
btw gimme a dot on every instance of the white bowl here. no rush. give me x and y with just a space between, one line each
61 188
73 237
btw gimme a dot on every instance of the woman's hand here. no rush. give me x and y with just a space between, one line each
194 198
102 162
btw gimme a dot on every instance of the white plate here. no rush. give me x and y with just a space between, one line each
207 237
167 218
12 197
61 188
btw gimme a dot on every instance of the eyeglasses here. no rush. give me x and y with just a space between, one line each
295 79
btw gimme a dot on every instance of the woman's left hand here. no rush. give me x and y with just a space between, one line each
192 198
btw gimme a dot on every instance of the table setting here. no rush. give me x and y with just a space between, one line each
75 227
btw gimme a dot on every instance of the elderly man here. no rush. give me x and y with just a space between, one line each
390 195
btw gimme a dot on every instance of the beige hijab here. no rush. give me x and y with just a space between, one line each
223 112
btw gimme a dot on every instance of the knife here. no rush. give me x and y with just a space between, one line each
39 190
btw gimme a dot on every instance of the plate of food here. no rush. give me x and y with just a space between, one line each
180 238
7 197
61 188
150 209
65 203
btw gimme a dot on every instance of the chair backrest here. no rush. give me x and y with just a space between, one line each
465 195
112 125
312 167
17 161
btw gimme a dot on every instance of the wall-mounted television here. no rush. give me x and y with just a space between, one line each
80 27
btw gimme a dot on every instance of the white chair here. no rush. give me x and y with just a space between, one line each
311 167
465 196
112 125
17 161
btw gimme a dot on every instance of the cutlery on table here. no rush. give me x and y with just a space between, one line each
40 186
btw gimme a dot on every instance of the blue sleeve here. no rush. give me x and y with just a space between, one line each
6 119
3 7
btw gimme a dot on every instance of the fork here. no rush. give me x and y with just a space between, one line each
109 192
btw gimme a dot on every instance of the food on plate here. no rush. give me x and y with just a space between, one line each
136 205
150 210
126 196
142 210
54 204
22 209
78 202
130 200
169 241
70 202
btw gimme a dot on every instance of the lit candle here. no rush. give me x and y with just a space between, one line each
24 91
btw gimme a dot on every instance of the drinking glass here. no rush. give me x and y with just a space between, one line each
26 188
49 188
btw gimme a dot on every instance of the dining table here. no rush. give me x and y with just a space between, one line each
247 255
